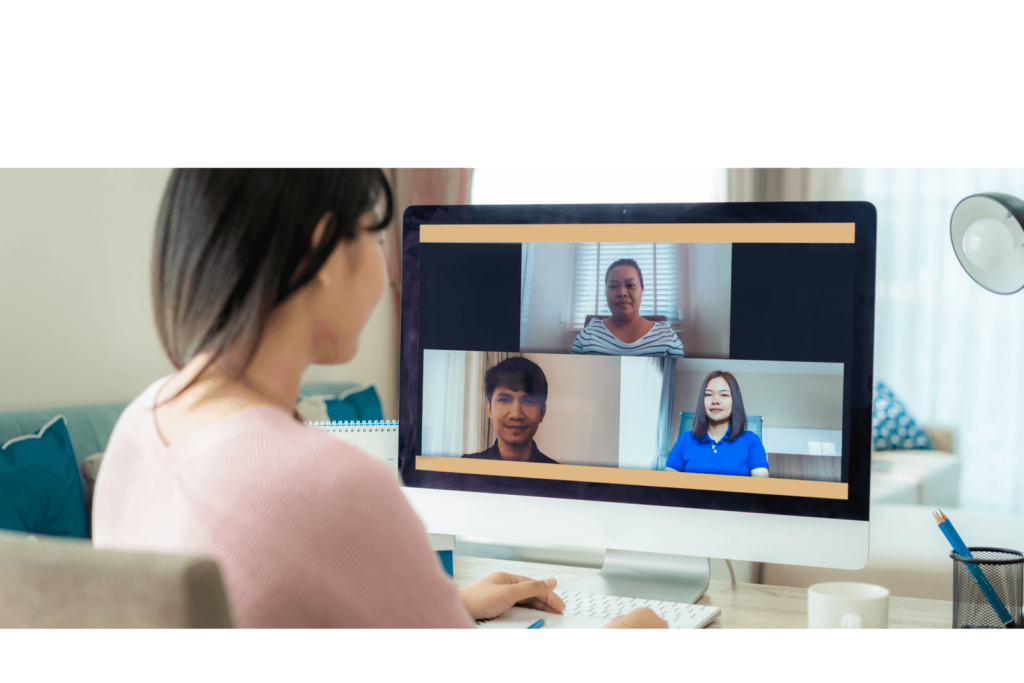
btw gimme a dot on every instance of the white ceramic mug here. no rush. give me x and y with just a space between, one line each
847 605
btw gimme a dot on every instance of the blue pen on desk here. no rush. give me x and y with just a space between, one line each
979 576
536 624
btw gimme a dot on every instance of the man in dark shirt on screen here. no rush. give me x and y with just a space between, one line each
516 393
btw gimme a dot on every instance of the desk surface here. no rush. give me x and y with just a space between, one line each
744 605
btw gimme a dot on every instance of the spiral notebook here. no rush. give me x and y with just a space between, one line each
378 438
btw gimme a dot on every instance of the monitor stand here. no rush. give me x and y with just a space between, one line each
649 576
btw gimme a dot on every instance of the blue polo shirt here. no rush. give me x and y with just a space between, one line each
705 456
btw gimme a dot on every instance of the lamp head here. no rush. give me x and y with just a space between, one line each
987 231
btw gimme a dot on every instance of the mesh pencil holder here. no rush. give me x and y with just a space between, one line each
1004 571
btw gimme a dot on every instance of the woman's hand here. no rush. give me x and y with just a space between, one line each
496 593
642 617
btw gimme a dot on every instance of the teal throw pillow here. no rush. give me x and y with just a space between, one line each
892 427
355 405
40 485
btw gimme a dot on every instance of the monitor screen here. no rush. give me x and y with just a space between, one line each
713 356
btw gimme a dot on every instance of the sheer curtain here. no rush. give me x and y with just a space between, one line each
454 419
949 348
444 403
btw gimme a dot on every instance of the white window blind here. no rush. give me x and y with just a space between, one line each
659 264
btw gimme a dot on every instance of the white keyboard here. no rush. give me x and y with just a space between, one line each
677 614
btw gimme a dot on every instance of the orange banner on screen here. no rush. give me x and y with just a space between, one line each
614 475
689 233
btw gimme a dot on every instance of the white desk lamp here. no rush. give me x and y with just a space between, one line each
987 231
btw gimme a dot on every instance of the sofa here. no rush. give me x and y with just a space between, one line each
89 427
918 477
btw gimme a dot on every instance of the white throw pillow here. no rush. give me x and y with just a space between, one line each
90 468
313 408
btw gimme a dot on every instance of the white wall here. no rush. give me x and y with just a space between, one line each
640 406
803 441
706 299
799 400
581 426
705 291
551 299
77 328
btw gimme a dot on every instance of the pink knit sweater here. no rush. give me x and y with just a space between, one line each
308 530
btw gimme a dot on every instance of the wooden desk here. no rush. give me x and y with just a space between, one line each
744 605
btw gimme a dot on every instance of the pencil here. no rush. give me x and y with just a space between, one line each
956 535
947 529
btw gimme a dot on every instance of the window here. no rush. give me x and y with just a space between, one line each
659 264
605 186
946 346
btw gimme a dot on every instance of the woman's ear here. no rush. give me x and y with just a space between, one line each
318 235
321 228
323 276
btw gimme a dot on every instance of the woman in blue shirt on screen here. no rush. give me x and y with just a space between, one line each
719 442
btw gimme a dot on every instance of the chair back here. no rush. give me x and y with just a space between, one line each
652 318
50 582
686 424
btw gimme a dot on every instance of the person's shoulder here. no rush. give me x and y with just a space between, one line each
684 445
154 386
138 406
687 439
293 454
593 339
599 327
595 325
662 327
750 437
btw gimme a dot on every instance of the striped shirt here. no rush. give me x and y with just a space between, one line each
308 530
596 339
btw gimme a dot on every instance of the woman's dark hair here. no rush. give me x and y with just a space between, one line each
738 420
233 244
624 262
518 374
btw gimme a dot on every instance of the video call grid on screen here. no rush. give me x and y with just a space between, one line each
780 296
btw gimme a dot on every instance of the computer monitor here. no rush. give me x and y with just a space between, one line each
549 398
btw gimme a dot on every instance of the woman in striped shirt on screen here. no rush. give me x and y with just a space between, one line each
626 333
